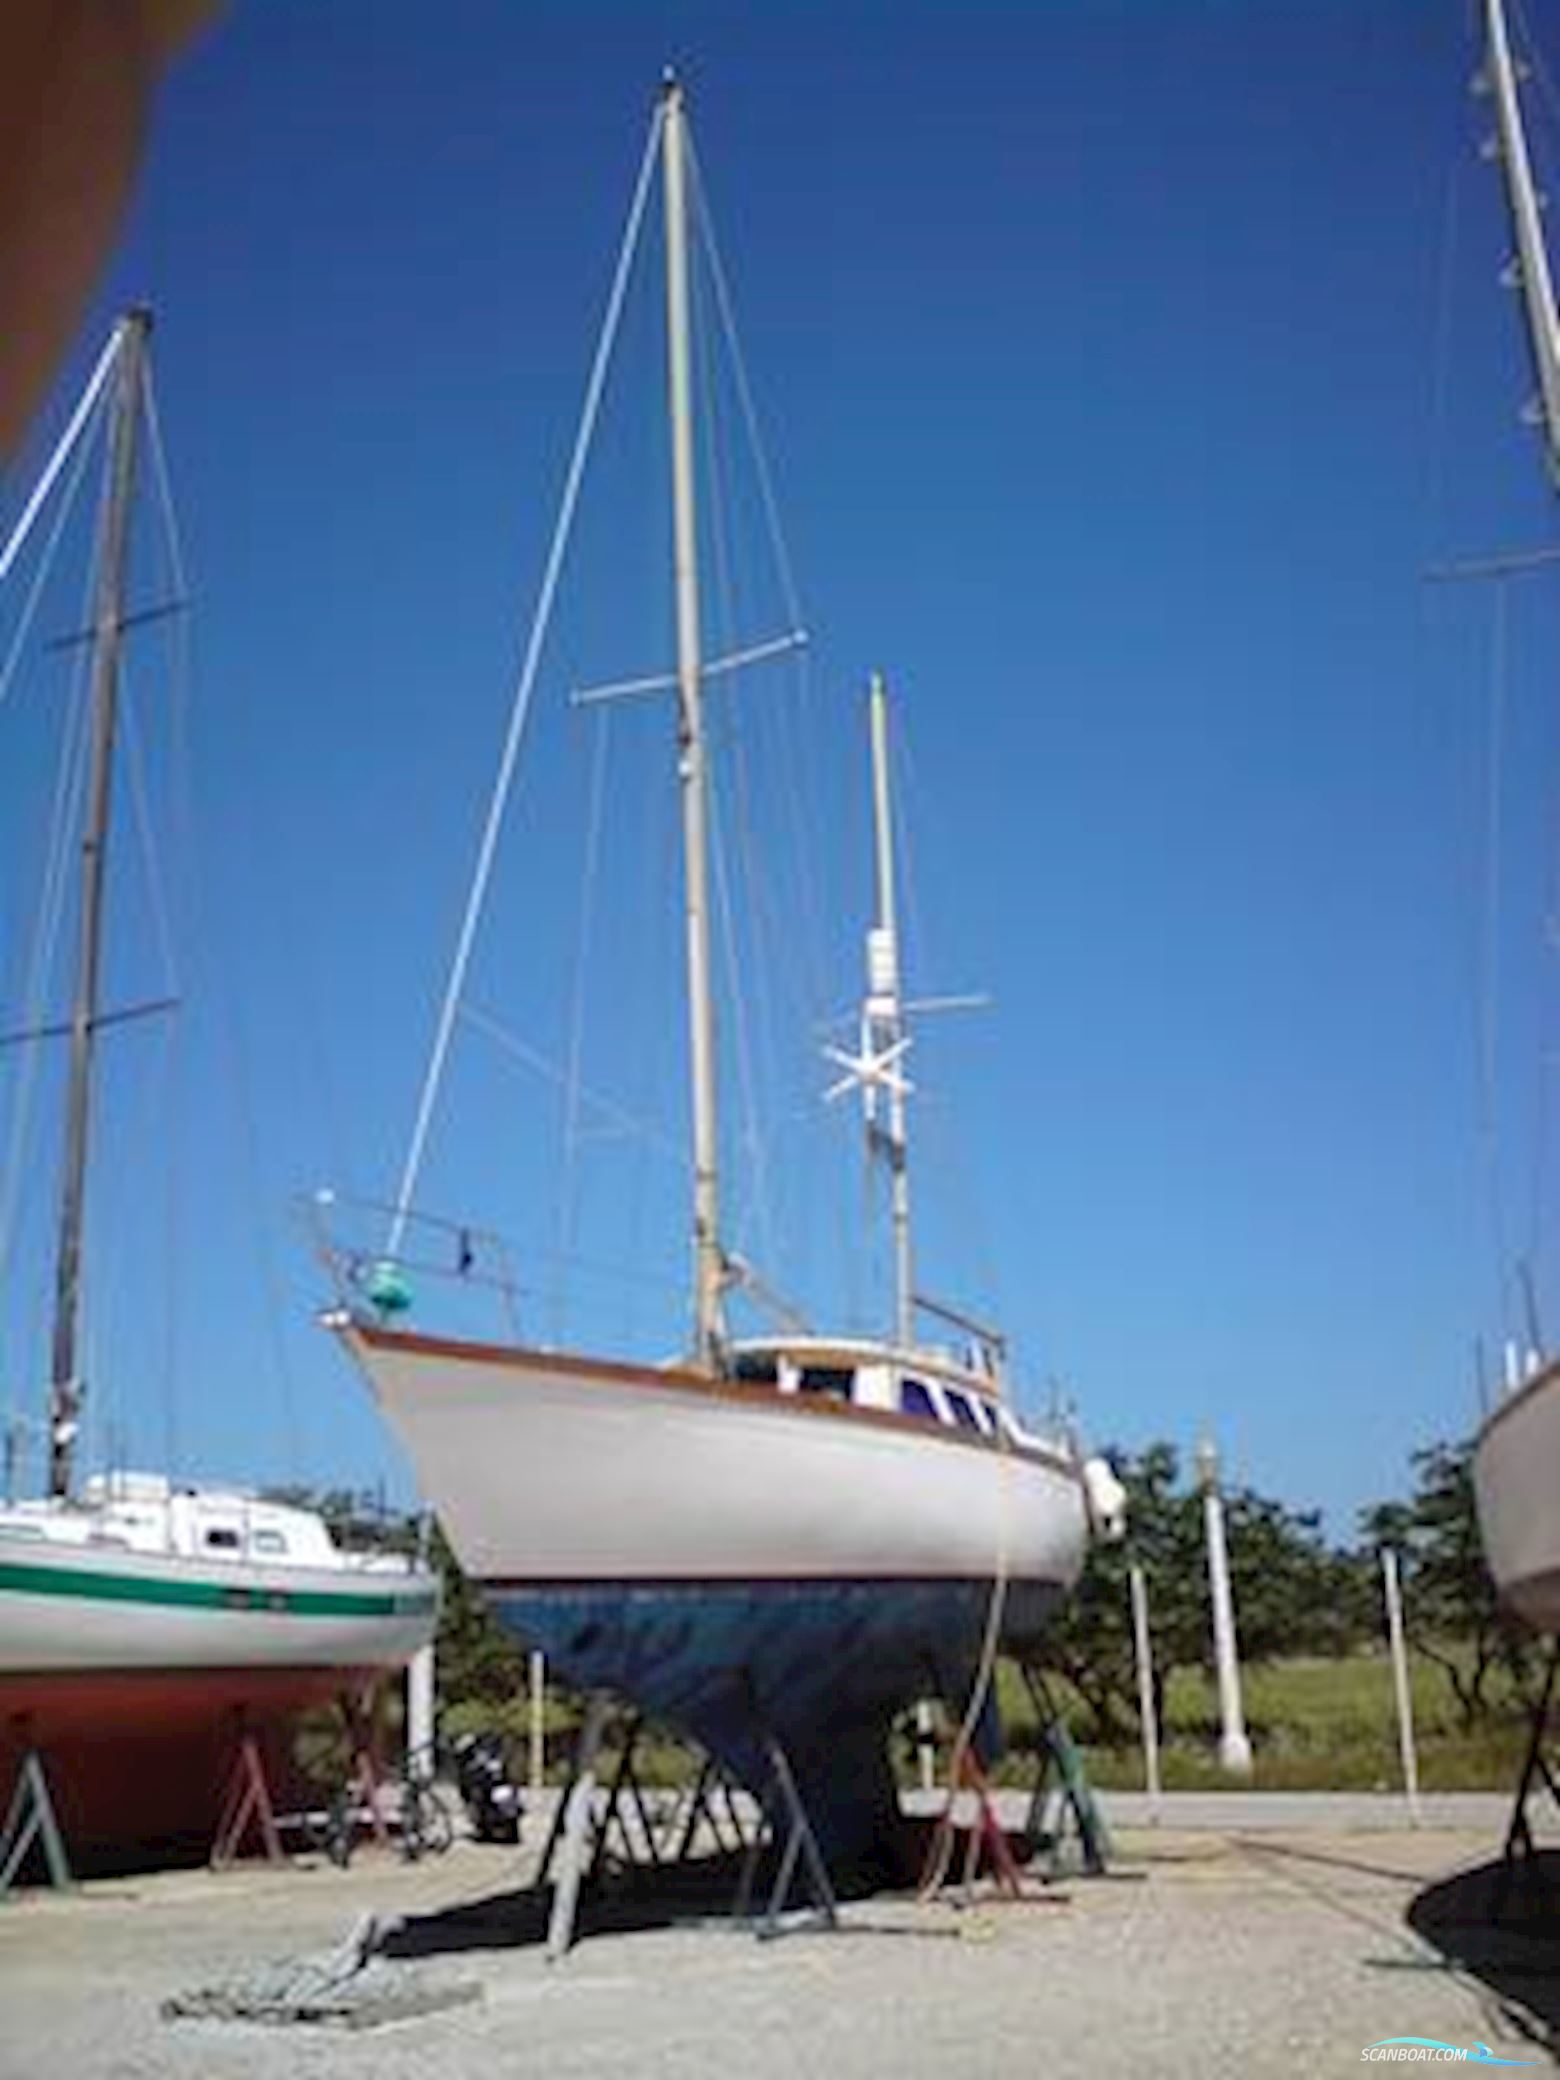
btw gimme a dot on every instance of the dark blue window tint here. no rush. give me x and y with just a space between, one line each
915 1400
962 1412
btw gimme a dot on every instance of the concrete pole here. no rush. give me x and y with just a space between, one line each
538 1702
419 1712
1405 1702
1234 1747
1145 1675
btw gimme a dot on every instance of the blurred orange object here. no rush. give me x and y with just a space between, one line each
76 83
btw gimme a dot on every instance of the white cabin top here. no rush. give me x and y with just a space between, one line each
935 1386
147 1513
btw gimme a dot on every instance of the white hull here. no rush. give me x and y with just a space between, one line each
65 1609
549 1469
1516 1474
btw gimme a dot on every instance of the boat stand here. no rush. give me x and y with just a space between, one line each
1519 1859
1064 1823
965 1776
572 1821
29 1819
710 1784
581 1839
801 1854
246 1803
365 1791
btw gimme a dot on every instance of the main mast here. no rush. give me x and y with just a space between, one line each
709 1264
1532 260
107 626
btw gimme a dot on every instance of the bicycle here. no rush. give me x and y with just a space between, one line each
427 1827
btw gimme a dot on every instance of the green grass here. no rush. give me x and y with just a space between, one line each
1314 1726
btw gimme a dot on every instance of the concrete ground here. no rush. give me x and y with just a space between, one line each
1232 1948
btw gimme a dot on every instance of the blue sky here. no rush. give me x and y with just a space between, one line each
1122 367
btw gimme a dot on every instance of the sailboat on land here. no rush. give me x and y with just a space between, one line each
1516 1468
144 1622
792 1536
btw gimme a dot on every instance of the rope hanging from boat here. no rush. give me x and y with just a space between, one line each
996 1610
521 704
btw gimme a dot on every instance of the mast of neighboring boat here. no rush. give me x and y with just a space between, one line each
107 629
709 1265
1531 266
885 1035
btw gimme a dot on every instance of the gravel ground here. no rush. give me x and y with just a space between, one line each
1264 1951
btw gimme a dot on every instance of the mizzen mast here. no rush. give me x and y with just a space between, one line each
1530 269
884 1034
709 1261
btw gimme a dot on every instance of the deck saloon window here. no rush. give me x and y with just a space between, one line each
221 1539
269 1542
837 1381
756 1369
915 1400
963 1414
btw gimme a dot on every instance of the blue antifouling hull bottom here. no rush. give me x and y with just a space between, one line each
823 1665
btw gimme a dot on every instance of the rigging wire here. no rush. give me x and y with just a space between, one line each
146 839
567 1204
1549 929
533 1058
808 850
521 704
790 961
753 1134
45 565
1489 952
1441 348
727 733
70 784
1533 56
86 406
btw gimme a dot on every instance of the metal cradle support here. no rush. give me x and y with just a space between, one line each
711 1793
572 1822
1065 1823
800 1855
30 1819
599 1832
1519 1859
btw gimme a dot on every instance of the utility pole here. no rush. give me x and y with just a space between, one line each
1234 1747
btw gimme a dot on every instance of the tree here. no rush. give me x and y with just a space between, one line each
475 1658
1292 1592
1450 1612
